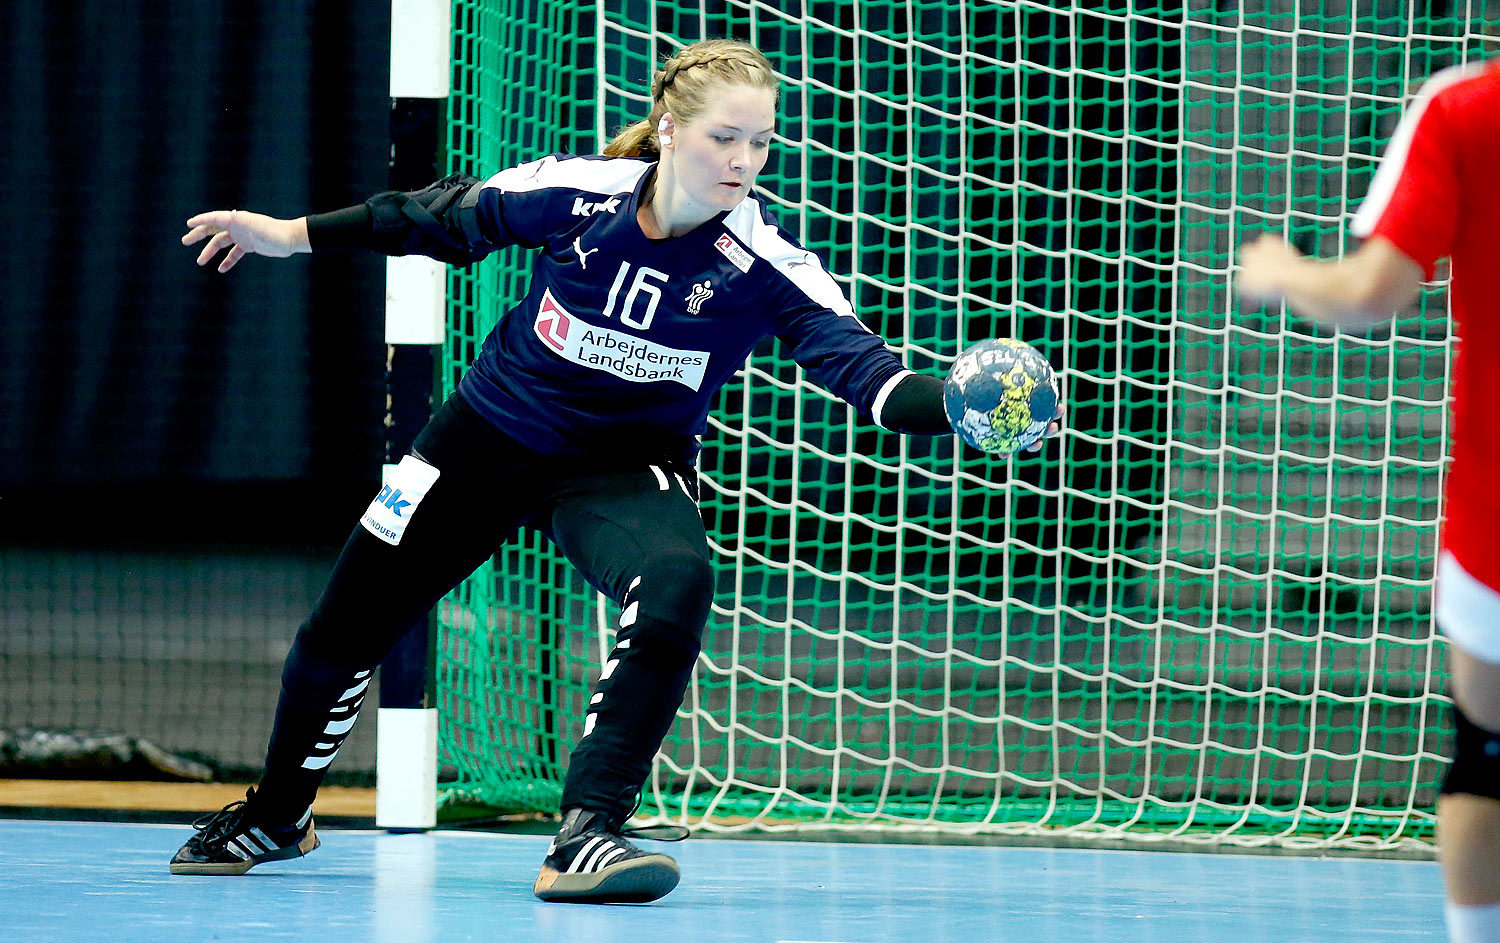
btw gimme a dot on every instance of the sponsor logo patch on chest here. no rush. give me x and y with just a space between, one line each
734 252
615 352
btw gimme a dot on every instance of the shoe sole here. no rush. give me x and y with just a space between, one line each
307 844
637 881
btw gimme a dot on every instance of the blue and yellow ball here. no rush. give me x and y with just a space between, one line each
1000 396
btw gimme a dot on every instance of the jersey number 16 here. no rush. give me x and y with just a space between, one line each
642 285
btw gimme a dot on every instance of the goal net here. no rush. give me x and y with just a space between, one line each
1202 614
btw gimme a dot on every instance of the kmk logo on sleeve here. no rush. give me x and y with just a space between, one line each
624 355
581 208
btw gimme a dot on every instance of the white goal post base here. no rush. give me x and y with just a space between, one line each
406 768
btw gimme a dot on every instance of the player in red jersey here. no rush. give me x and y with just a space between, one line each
1437 195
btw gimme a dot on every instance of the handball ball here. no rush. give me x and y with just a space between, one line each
1000 396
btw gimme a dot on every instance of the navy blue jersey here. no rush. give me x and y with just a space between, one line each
622 341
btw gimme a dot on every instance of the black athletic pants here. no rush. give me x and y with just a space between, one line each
632 528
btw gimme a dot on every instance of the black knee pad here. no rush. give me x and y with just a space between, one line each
1476 760
676 587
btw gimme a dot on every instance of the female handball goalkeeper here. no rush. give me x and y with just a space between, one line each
658 272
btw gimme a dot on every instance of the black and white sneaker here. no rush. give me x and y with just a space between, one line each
590 861
229 841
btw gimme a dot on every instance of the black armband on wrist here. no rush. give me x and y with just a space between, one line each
915 407
348 228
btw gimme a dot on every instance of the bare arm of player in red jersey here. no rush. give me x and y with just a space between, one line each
1408 220
1356 291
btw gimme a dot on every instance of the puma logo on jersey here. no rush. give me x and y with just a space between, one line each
583 256
581 208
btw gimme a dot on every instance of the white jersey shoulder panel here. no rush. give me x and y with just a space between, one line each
613 175
803 268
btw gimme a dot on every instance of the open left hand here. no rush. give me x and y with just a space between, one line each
245 233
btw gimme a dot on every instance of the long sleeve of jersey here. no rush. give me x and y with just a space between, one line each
459 219
432 221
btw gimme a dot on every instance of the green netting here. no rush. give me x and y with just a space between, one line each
510 642
1205 614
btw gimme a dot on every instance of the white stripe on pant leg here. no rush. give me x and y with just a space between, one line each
661 479
685 490
336 727
319 762
354 690
628 617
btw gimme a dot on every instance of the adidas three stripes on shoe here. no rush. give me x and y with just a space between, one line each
591 861
230 841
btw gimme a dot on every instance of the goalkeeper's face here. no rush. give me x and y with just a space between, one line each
720 152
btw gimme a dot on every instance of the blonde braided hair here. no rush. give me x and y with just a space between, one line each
682 84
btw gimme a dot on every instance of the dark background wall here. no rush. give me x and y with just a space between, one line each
181 452
135 386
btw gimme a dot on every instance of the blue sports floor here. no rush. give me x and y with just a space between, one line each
82 881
